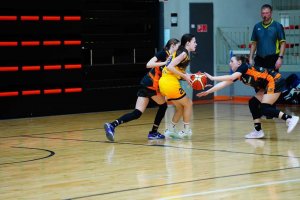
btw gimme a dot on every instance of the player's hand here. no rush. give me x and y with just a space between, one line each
210 77
202 94
188 79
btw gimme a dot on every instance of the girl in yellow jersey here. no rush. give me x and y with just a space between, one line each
170 87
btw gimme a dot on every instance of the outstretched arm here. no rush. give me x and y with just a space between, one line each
217 87
231 77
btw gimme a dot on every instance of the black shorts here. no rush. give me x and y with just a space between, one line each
266 62
279 86
146 92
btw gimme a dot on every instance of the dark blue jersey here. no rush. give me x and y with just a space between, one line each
267 38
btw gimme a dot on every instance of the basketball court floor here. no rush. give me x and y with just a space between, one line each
69 157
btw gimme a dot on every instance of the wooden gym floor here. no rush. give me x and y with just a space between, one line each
68 157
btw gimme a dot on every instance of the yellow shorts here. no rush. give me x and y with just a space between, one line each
170 87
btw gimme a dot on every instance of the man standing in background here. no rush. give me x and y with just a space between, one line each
268 40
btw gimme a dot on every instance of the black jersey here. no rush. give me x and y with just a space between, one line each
270 81
150 80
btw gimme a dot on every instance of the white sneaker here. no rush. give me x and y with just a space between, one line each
291 123
255 134
170 133
185 134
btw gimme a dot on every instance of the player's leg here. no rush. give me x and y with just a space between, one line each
187 104
254 106
160 100
141 105
267 110
171 130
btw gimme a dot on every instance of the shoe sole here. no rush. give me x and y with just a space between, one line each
151 138
109 136
294 125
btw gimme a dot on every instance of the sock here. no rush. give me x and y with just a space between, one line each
257 126
154 128
286 116
173 125
186 126
115 123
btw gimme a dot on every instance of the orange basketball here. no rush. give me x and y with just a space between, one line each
199 81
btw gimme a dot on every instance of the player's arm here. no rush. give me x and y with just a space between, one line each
174 63
153 63
232 77
217 87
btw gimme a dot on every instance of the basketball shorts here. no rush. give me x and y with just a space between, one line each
146 92
170 87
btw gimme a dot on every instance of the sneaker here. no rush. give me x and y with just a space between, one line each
185 134
155 136
291 123
110 131
170 133
255 134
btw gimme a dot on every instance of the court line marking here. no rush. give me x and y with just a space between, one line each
231 189
176 183
51 153
162 146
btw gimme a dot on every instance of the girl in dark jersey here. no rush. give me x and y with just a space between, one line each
269 85
148 90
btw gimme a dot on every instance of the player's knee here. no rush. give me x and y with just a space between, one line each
137 114
255 107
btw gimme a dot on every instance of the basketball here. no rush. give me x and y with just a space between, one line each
199 81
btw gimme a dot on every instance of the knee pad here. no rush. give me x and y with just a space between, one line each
136 114
255 108
269 111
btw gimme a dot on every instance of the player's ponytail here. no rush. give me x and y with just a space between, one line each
173 41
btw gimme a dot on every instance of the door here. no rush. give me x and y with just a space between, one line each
201 25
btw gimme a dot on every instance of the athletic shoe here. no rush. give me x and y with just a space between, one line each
255 134
155 136
291 123
170 133
110 131
185 134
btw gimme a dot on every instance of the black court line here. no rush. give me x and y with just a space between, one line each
180 182
124 126
51 153
167 146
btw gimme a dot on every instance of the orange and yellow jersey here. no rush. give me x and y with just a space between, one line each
150 80
260 78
